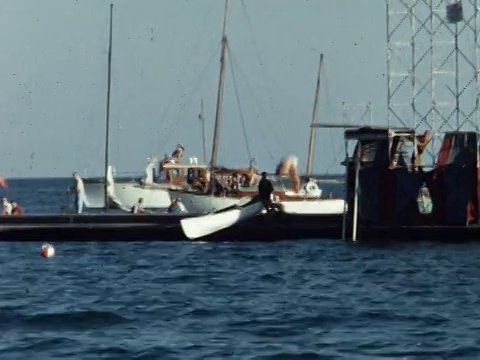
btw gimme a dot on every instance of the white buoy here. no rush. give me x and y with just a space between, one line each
48 251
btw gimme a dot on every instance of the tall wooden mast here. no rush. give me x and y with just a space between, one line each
314 117
221 79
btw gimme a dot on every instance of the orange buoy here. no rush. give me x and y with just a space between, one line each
48 251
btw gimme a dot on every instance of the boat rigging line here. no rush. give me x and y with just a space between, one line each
242 118
163 142
258 105
267 80
165 119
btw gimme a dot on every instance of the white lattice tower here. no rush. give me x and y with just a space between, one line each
432 65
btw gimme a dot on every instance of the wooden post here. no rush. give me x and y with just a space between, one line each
357 191
345 208
107 116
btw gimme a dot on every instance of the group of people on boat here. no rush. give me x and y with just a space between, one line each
11 207
176 207
231 184
225 182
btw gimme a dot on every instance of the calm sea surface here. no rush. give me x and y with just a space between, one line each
288 300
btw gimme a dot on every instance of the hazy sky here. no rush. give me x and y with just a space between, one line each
165 59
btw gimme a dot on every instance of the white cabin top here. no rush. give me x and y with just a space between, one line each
173 166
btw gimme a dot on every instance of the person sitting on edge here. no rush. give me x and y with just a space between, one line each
138 207
177 207
79 189
17 209
181 207
7 207
265 190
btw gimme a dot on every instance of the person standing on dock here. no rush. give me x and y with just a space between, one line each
265 190
79 189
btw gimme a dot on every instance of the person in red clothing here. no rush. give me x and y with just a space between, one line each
17 209
138 207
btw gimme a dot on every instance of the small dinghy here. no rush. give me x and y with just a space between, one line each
200 226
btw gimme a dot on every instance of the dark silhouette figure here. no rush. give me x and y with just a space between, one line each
265 190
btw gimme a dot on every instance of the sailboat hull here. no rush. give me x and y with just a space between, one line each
201 204
316 207
127 194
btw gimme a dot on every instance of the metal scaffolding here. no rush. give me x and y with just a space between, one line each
432 65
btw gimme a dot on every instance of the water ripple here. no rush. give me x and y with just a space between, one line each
291 300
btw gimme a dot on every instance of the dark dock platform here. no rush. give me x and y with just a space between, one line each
151 227
265 227
96 227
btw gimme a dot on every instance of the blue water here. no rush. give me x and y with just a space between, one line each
303 300
287 300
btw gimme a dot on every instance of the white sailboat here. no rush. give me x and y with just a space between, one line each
155 194
293 202
124 193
